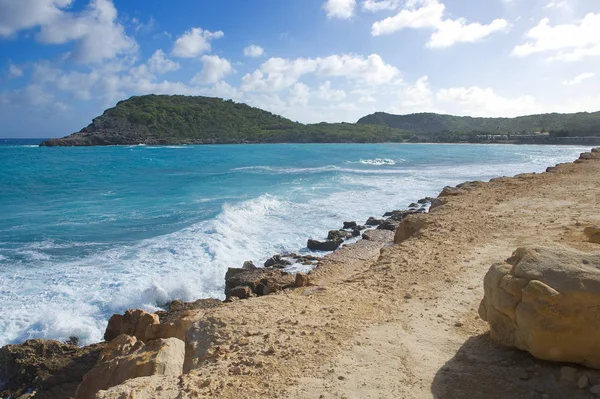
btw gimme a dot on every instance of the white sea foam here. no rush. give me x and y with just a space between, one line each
55 299
378 161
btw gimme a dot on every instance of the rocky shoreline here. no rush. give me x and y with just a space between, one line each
254 348
53 369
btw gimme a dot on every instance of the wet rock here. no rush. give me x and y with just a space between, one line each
133 322
374 222
426 200
249 265
260 282
329 245
277 262
335 234
389 224
545 301
125 358
399 216
356 233
349 225
414 205
52 368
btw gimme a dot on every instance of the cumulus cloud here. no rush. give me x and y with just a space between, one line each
417 96
159 63
253 51
569 42
14 71
279 73
380 5
299 94
343 9
214 69
579 78
326 93
476 101
446 32
25 14
195 42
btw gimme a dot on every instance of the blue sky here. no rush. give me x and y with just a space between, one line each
65 61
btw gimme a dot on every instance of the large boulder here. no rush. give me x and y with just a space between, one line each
51 368
329 245
546 301
125 358
409 227
133 322
179 317
260 282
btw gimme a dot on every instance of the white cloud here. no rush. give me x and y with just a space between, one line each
380 5
325 92
97 34
159 63
279 73
579 78
569 42
25 14
417 96
214 69
343 9
253 51
430 14
475 101
14 71
564 4
195 42
299 94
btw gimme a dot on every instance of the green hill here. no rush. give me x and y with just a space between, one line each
155 119
579 124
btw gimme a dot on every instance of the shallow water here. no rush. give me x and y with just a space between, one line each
88 232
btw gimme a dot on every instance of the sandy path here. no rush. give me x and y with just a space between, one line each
404 325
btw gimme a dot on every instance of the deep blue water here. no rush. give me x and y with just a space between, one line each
87 232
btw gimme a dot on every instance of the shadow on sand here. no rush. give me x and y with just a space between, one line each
482 369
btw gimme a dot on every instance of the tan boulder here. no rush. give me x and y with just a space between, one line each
546 301
593 234
409 227
133 322
126 357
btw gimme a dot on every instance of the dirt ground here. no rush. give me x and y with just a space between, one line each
402 322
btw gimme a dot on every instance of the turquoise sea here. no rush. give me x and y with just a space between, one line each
88 232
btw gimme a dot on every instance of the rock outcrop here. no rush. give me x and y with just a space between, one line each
409 227
329 245
51 368
125 358
546 301
242 283
593 234
133 322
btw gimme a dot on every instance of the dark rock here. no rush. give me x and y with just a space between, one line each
374 222
426 200
349 225
329 245
260 281
360 227
413 205
355 233
301 280
469 185
390 225
436 203
335 234
240 293
52 368
277 262
249 265
400 215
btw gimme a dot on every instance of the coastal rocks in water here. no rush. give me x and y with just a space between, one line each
51 368
260 282
437 202
125 358
329 245
425 201
449 191
374 222
133 322
350 225
409 227
277 262
593 234
335 234
389 224
398 216
378 235
545 301
249 265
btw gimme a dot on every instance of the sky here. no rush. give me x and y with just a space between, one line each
63 62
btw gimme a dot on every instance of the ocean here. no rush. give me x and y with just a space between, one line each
88 232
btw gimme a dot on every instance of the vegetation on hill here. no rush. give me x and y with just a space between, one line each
160 119
579 124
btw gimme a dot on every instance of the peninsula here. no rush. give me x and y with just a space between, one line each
164 120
